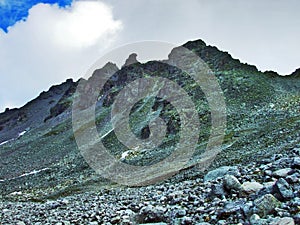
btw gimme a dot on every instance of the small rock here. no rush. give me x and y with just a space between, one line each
268 172
246 209
267 189
124 222
186 220
269 184
251 187
221 172
221 222
297 219
20 223
230 182
294 178
115 220
228 210
53 205
282 172
174 195
254 218
265 205
296 163
282 190
6 211
217 191
151 214
283 221
66 222
296 150
93 223
181 212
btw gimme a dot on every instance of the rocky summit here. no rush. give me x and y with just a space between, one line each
254 179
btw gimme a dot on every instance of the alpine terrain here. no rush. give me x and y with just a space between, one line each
254 179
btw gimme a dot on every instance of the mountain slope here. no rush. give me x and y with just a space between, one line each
263 116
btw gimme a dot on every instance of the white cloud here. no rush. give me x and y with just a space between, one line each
83 24
55 44
263 33
52 45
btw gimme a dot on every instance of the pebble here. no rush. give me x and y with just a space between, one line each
282 190
251 187
283 221
230 182
296 163
282 172
220 172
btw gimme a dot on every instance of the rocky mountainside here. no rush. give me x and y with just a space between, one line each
40 161
259 193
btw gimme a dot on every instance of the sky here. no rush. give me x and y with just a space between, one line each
45 42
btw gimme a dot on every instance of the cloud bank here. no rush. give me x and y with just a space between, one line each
53 44
12 11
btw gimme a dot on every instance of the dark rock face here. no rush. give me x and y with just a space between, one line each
64 103
254 180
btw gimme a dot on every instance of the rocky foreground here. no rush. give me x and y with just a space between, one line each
263 192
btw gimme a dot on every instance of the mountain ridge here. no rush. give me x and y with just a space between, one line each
189 45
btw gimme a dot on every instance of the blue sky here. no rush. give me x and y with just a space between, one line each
12 11
45 42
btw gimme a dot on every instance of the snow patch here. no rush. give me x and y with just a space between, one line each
125 154
19 135
4 142
130 153
32 172
26 174
22 133
16 193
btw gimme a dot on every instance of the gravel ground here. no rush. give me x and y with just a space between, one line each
266 192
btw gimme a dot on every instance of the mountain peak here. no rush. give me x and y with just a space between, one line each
195 44
217 60
131 60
